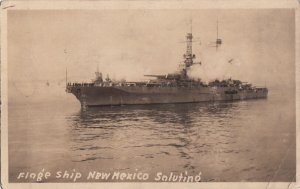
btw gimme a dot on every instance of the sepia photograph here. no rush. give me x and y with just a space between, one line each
151 95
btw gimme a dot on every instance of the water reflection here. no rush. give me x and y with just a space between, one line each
184 114
226 141
167 132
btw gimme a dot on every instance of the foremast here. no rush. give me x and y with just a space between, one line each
188 56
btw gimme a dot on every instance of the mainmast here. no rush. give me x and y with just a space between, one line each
98 76
218 40
66 80
66 77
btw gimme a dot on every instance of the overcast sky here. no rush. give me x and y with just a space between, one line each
131 43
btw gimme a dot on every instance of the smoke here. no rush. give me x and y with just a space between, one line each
217 66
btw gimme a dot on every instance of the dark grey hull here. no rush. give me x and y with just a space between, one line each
104 96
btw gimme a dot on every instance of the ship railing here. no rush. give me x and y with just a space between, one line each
133 84
80 85
102 84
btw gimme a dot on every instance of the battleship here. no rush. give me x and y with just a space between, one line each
176 87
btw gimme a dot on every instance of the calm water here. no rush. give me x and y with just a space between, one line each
228 141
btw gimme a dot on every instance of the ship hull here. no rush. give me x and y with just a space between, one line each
112 96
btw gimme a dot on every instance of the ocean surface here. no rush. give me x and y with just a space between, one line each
252 140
